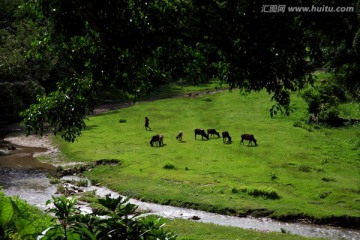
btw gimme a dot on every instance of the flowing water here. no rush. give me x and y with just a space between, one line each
22 175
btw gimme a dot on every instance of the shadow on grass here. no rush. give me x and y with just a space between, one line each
90 127
158 145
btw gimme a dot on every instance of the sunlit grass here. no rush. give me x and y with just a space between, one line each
203 173
190 230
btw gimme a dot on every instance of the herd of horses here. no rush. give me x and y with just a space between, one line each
211 132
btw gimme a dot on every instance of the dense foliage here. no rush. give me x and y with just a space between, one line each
18 220
135 46
117 220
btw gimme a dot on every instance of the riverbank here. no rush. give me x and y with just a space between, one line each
21 139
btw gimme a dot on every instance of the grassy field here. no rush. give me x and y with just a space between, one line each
296 169
292 171
190 230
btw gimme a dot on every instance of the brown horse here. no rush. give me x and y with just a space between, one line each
248 137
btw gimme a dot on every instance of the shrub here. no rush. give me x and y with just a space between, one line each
18 220
169 165
118 219
122 120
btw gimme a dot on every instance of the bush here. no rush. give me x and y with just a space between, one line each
118 219
18 220
169 165
324 101
122 120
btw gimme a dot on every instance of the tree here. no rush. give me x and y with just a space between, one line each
23 75
137 45
343 53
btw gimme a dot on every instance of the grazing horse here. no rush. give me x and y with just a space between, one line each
212 132
179 136
248 137
225 135
159 139
202 133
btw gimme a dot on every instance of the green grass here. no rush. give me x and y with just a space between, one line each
190 230
204 174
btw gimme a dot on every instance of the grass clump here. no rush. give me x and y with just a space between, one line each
325 179
261 192
323 195
55 181
273 176
304 168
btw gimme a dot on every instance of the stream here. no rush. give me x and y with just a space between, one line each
24 176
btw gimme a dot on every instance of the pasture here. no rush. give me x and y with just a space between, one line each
293 170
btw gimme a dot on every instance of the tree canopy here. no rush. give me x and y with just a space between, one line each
82 46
